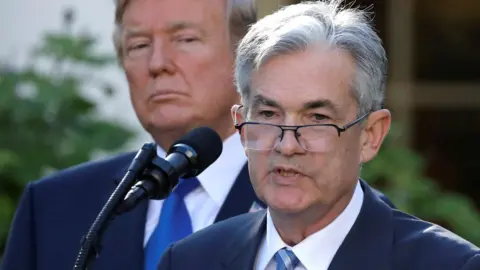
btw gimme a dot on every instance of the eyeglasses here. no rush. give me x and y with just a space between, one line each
314 138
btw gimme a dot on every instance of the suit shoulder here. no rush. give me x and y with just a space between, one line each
87 171
209 245
432 246
218 234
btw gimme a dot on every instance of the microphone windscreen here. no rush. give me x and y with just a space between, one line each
206 142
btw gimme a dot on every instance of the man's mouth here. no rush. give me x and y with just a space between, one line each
286 172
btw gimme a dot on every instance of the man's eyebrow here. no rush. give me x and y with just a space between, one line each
320 103
259 100
135 32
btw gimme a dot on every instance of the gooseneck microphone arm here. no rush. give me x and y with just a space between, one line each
159 180
90 246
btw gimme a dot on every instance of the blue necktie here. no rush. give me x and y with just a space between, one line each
286 259
174 223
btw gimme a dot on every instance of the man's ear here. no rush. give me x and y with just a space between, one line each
238 118
237 113
374 132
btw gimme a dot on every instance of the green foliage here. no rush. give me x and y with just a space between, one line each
46 123
399 173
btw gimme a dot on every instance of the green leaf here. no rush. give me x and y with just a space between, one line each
399 173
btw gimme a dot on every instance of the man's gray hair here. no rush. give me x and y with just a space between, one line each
297 27
240 15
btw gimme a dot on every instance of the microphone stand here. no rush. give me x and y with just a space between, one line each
90 246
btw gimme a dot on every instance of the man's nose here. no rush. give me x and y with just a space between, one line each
161 59
289 144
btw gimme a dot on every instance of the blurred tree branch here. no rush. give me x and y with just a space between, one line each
46 122
399 173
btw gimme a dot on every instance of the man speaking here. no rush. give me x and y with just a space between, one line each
178 57
312 80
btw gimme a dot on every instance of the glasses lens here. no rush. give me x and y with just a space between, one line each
317 138
260 136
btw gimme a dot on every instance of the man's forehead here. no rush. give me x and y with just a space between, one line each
298 82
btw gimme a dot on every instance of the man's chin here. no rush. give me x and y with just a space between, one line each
169 131
287 207
170 125
173 121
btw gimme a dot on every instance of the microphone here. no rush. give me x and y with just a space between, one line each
187 157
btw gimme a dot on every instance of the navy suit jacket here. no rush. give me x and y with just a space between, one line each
381 238
57 211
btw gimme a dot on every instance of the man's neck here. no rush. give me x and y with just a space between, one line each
294 228
165 139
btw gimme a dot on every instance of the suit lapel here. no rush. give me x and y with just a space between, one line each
241 252
241 198
368 245
122 245
123 241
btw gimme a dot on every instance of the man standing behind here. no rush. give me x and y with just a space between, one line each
178 57
312 80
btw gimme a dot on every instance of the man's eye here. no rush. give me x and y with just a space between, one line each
266 113
319 117
138 46
187 39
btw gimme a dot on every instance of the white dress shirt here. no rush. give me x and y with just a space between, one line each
317 250
204 203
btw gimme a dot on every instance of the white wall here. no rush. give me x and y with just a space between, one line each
22 23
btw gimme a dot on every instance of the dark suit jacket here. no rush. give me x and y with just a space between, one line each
381 238
57 211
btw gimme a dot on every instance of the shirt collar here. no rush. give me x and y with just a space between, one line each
317 250
218 178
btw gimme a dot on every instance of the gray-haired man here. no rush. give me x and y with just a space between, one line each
312 79
178 57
